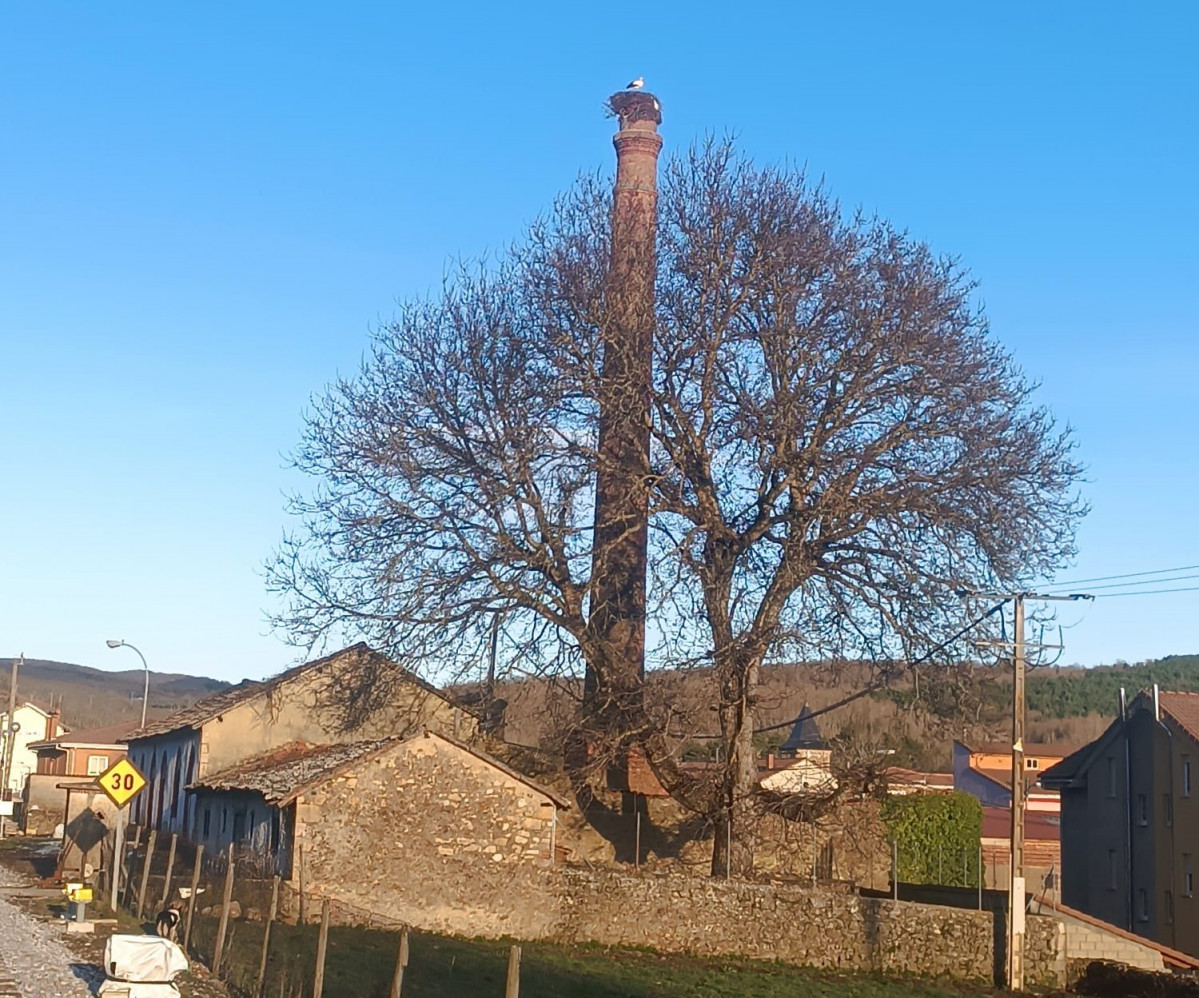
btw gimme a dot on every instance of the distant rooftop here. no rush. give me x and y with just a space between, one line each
805 734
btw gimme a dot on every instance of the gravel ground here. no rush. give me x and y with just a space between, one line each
35 960
39 960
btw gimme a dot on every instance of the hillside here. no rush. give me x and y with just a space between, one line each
92 698
1067 705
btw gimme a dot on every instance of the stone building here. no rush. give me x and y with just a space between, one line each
256 718
425 830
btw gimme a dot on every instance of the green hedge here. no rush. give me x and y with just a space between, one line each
938 837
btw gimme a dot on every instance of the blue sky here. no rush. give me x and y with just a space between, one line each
205 208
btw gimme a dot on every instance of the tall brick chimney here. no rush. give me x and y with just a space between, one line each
621 496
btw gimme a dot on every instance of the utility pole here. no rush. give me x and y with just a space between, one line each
10 734
1015 952
1016 883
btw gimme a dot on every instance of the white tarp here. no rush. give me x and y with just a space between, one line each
143 959
136 989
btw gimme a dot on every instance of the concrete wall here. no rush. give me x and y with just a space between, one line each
1086 943
430 835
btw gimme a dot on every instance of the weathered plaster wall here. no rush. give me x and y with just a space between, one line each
431 835
293 712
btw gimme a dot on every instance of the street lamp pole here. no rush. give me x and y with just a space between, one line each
146 691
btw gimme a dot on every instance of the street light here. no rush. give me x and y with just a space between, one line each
146 693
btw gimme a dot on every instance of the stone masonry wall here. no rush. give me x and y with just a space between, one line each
796 925
430 835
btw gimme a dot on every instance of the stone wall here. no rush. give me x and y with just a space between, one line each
433 836
796 925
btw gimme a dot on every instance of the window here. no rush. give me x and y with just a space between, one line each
207 821
1111 776
1142 904
274 829
1113 870
96 764
1142 810
1168 808
1169 906
1186 777
224 820
1032 763
1188 876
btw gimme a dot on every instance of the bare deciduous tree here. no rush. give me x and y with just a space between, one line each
837 445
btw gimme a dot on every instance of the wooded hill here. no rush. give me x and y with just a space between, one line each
92 698
915 726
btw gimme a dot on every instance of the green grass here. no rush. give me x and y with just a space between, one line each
360 964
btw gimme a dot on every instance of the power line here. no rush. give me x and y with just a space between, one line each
1150 592
1145 582
1127 575
879 684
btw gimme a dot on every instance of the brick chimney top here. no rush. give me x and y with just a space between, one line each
636 109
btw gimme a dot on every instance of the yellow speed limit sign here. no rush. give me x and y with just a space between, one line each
122 782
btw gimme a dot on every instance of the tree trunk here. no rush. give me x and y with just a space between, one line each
739 804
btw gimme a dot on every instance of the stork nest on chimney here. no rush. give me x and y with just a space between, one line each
635 105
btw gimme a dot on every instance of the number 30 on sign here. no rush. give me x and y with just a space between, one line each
122 782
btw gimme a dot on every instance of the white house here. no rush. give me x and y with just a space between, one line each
32 725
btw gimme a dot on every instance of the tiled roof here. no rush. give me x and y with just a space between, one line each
287 771
1184 709
1042 750
205 710
898 776
112 734
1038 826
280 776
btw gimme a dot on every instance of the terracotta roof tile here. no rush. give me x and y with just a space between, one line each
112 734
1184 709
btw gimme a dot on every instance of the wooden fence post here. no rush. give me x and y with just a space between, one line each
151 842
303 900
512 988
322 946
191 901
125 867
397 980
266 936
226 899
166 887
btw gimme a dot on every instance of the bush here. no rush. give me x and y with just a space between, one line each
938 836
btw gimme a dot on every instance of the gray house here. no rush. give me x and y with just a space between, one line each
1130 821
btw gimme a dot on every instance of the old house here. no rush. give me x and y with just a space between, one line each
1130 821
71 757
807 760
256 718
427 830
